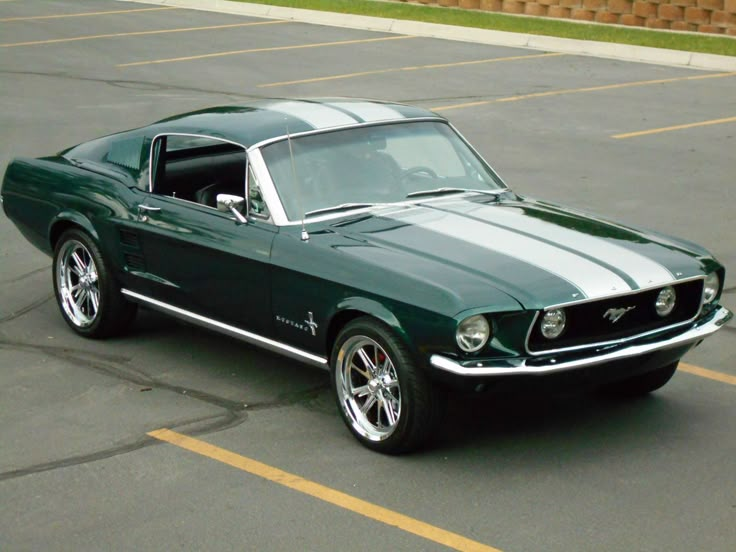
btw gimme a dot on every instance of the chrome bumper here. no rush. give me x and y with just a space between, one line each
517 367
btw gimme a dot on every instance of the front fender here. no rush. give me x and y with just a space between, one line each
372 308
66 219
421 331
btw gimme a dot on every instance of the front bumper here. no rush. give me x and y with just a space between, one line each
554 364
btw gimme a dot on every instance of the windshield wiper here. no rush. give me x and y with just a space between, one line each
341 207
440 191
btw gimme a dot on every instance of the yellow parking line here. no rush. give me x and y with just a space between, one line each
410 68
87 14
676 127
705 373
272 49
326 494
582 90
139 33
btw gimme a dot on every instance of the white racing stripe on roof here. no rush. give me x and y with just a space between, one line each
369 112
644 271
593 280
317 115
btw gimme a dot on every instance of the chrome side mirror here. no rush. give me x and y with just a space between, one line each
233 204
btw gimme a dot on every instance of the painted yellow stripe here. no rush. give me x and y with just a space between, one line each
337 498
139 33
410 68
675 127
565 91
87 14
272 49
705 373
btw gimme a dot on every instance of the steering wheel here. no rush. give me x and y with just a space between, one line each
419 169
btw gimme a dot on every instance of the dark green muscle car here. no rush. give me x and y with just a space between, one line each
367 238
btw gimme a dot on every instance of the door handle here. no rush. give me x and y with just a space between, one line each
144 209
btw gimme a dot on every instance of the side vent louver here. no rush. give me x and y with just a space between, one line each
132 251
126 152
129 239
135 262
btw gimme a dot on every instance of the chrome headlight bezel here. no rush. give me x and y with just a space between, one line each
473 333
553 323
711 288
665 302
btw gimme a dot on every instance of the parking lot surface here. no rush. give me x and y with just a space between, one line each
172 437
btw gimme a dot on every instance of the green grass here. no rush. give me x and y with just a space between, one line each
531 25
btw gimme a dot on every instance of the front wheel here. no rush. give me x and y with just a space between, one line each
387 403
641 384
85 289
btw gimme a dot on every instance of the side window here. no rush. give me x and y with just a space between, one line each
256 204
197 168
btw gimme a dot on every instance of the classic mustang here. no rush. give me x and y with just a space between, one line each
368 238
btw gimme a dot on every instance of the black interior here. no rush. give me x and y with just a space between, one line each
199 174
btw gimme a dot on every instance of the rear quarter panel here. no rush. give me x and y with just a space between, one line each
41 194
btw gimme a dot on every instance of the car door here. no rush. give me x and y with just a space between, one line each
200 259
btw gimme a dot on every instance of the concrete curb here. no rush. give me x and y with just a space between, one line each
625 52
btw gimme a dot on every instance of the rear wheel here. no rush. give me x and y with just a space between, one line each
641 384
88 296
387 403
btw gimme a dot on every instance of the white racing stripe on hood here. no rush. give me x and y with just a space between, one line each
317 115
593 280
644 271
369 112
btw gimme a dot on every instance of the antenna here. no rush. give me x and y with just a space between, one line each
297 184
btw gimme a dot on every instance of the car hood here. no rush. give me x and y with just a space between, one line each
537 253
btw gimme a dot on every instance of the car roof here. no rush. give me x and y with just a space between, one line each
254 122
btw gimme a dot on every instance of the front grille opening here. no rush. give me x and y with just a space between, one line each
587 324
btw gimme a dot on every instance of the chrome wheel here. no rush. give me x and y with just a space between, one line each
368 388
77 284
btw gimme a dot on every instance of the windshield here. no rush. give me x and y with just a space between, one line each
373 165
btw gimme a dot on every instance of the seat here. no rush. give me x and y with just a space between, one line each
208 195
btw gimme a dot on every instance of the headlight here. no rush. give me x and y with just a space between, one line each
710 287
473 333
666 301
553 323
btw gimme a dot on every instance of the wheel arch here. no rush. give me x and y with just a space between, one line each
355 307
67 220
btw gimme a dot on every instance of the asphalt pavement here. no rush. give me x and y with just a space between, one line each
260 459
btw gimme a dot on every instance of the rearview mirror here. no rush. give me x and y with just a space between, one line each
233 204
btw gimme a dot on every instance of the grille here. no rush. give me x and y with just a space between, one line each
586 324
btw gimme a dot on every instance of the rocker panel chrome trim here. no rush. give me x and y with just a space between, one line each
718 319
232 331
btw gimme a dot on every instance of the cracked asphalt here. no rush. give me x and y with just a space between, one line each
77 468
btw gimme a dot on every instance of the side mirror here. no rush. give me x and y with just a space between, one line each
233 204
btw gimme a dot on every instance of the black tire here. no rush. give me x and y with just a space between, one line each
641 384
391 380
88 296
